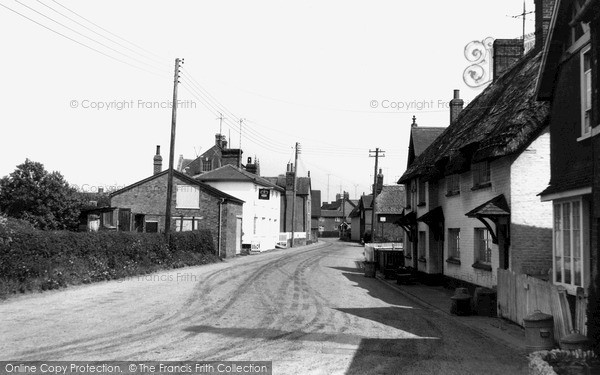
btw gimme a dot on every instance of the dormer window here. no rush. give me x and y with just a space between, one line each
586 92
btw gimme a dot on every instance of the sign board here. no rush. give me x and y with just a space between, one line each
264 194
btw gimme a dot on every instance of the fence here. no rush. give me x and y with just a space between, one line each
520 295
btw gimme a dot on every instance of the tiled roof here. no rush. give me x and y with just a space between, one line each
502 120
494 207
422 137
231 173
331 213
176 174
569 181
391 200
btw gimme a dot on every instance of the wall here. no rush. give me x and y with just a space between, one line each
531 219
149 199
455 207
355 231
266 212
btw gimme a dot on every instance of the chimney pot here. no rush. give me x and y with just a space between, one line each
414 123
506 53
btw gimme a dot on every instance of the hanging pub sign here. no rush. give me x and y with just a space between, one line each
264 194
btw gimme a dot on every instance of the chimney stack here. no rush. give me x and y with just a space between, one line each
289 177
543 17
414 123
157 161
506 53
231 156
220 140
456 106
379 186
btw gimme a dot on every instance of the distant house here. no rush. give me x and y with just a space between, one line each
567 82
215 157
315 214
390 204
141 207
361 218
471 195
262 207
302 209
335 214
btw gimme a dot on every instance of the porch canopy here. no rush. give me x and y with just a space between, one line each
435 220
496 210
408 222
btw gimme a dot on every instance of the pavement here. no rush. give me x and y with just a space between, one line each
438 297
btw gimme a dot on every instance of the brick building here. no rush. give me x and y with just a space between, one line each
141 207
472 192
215 157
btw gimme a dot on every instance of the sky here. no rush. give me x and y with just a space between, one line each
85 86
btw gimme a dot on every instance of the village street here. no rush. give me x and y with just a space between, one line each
308 309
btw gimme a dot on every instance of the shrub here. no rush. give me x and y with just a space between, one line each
562 362
33 260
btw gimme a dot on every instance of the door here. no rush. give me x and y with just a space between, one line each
238 235
124 219
138 222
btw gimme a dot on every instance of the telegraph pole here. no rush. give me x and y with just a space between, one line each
178 63
220 118
294 195
378 154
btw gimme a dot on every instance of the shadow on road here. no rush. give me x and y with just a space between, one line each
376 289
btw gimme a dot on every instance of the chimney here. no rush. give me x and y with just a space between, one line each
157 161
543 17
456 105
100 190
220 140
506 53
253 167
289 177
379 182
231 156
414 123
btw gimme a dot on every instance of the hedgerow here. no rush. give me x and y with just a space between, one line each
35 260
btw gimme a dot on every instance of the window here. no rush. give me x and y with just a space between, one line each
186 224
453 184
188 196
422 238
108 219
454 243
151 226
206 165
422 192
569 242
481 174
483 246
586 92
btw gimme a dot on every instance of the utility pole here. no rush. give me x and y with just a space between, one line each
328 186
240 148
294 195
378 154
178 63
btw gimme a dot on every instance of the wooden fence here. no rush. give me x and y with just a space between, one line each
520 295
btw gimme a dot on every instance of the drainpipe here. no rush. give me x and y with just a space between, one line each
220 227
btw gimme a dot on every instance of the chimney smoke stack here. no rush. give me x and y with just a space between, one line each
456 106
157 161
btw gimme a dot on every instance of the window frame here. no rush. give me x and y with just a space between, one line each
586 129
583 231
206 165
454 252
487 239
453 184
421 192
478 171
421 245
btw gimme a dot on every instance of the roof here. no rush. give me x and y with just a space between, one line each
229 172
355 212
433 216
496 206
421 138
176 174
303 184
391 200
569 181
503 120
331 213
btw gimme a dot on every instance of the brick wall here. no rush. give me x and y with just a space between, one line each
531 219
149 199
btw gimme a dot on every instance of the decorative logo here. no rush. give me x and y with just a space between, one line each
264 194
479 53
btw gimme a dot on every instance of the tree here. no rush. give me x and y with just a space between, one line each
44 199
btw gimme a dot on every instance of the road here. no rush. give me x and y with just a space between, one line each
309 309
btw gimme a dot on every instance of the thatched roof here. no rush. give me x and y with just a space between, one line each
503 120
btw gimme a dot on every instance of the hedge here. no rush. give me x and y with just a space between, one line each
35 260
